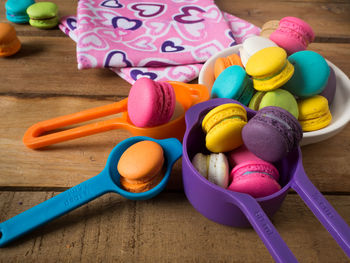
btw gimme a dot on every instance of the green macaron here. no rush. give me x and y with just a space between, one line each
43 15
279 98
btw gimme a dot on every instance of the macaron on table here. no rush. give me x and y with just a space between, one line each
41 82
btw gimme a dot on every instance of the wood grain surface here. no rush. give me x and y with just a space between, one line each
42 82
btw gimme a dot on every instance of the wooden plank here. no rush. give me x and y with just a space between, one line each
256 12
61 165
164 229
327 18
67 164
48 66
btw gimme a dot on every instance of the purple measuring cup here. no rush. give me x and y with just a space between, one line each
241 210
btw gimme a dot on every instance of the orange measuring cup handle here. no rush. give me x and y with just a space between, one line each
199 92
34 138
39 135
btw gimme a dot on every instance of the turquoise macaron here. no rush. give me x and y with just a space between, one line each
311 73
233 83
16 10
43 15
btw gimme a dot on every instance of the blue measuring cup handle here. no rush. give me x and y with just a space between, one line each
263 226
321 208
55 207
86 191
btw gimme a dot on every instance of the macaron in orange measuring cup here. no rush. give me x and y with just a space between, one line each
186 95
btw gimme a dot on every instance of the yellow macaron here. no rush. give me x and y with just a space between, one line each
269 68
223 127
314 113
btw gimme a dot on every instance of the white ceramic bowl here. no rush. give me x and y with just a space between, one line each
340 107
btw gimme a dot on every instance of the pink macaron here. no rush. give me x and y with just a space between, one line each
256 178
151 103
241 155
293 34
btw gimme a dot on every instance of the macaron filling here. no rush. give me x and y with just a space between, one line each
259 172
221 115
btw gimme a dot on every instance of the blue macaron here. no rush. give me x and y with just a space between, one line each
311 73
16 10
233 83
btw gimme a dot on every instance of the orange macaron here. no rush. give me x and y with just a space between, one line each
141 166
225 62
9 43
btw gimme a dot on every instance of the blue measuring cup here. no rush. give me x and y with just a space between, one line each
105 182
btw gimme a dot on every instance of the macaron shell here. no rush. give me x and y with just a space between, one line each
223 126
218 169
16 10
257 178
252 45
269 68
314 113
233 83
272 133
201 162
329 90
279 98
141 161
222 63
311 73
9 43
241 155
225 136
42 10
256 184
224 111
11 49
293 34
151 103
268 28
43 15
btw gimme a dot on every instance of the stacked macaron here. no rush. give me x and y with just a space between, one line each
151 103
141 166
242 151
43 15
9 43
275 69
16 10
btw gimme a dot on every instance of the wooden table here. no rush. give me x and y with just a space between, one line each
42 81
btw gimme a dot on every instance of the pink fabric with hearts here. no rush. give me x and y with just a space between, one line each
240 29
157 33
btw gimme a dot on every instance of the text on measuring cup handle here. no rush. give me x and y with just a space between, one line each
261 217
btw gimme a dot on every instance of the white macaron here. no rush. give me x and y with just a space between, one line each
213 167
252 45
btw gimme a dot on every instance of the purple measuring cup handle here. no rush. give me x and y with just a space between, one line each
321 208
262 225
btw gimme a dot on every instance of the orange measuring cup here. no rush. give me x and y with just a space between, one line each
186 95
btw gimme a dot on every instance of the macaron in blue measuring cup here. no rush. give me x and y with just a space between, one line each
105 182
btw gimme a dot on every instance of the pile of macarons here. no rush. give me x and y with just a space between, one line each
243 150
275 69
43 15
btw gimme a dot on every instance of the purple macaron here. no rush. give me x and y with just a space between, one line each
272 133
329 90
